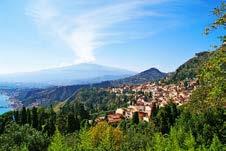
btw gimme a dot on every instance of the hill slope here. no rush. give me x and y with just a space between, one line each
152 74
190 69
48 96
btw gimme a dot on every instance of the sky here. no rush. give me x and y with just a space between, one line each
129 34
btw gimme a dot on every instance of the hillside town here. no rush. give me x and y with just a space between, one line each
147 96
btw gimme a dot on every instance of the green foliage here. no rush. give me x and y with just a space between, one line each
34 118
72 117
58 143
190 69
62 122
16 116
212 78
23 116
73 123
216 144
50 128
135 118
165 117
108 138
17 136
136 137
81 111
5 119
85 141
28 116
24 148
178 139
159 142
189 142
220 13
96 100
135 140
204 125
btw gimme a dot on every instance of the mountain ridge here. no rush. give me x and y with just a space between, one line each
53 94
69 75
152 74
61 93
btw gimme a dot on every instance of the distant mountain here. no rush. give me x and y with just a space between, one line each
152 74
55 94
70 75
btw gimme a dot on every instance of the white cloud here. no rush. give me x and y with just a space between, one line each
87 29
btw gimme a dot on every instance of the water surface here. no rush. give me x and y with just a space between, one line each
4 104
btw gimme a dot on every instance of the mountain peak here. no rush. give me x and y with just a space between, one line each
69 75
152 71
153 68
151 74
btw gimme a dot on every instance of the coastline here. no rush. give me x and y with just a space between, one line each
4 104
14 103
8 103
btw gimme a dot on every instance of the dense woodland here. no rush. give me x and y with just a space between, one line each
197 125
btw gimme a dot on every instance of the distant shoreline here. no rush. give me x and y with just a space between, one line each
9 103
5 104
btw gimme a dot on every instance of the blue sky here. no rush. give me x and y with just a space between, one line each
130 34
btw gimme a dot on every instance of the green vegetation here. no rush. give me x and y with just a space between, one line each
135 118
97 100
198 125
190 69
165 117
220 14
17 137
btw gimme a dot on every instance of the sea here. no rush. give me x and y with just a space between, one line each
4 104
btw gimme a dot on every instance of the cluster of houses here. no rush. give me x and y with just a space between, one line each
158 95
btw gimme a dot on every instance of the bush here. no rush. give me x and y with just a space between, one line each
16 137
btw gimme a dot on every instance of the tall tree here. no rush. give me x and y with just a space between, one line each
50 126
135 118
43 117
58 143
154 111
62 122
23 116
16 116
71 122
29 116
82 112
34 118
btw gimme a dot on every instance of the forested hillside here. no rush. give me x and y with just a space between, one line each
190 69
46 97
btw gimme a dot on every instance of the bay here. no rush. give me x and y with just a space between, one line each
4 104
